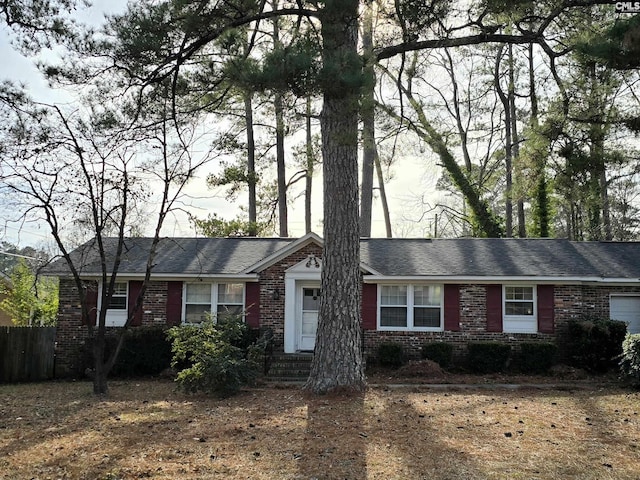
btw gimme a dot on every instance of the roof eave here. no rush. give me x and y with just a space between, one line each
168 277
569 280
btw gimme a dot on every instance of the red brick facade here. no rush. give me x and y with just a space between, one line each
569 302
272 292
72 333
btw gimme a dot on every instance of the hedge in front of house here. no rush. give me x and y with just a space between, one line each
488 357
145 351
595 344
537 357
391 354
630 358
439 352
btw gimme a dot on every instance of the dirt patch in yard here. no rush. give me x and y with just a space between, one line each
145 429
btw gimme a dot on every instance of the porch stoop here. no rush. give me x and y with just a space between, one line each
289 367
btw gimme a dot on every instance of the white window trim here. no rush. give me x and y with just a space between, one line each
410 308
520 323
115 317
214 298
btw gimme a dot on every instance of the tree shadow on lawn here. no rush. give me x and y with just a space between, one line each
503 434
50 426
335 438
150 430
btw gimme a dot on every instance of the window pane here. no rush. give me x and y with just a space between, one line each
197 313
426 317
118 303
198 293
230 293
393 316
228 311
518 293
518 308
424 295
311 299
394 295
119 299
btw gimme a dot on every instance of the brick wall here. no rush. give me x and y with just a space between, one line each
571 302
72 335
272 280
473 323
154 307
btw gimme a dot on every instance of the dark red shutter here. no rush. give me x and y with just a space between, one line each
91 300
252 304
369 306
135 287
452 308
545 309
494 308
174 303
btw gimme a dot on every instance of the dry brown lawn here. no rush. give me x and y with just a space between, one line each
145 429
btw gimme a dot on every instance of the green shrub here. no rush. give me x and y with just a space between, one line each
216 363
536 357
630 358
439 352
488 357
145 351
595 344
391 354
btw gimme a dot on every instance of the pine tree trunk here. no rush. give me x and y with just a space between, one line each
508 145
337 364
283 230
251 162
515 147
383 196
308 184
368 128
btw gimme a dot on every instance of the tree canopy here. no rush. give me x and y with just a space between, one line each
525 105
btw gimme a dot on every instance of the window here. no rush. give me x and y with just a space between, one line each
119 298
426 306
117 308
197 302
410 307
203 298
520 315
230 299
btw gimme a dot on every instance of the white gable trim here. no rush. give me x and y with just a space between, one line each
310 266
285 252
293 247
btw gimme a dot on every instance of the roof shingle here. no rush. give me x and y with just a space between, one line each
468 257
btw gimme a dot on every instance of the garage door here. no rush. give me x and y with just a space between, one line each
626 309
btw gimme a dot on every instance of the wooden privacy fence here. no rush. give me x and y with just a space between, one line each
27 353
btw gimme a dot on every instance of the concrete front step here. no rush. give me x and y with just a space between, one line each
290 367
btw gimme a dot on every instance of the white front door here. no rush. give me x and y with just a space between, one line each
308 317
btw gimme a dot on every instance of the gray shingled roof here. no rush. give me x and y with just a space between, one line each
468 257
176 256
502 257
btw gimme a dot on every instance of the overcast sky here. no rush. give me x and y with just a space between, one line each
408 182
